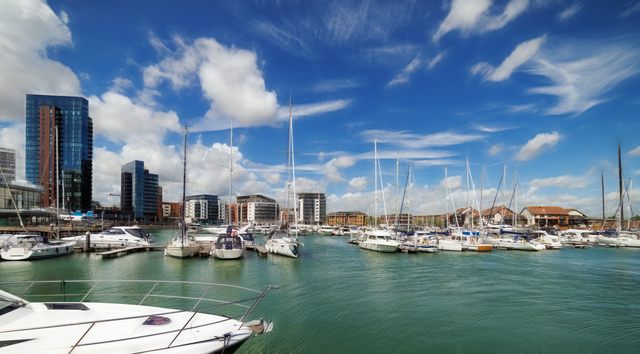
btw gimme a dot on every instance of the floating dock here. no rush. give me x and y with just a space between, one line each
127 250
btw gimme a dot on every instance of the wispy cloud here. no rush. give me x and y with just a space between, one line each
518 108
635 152
632 9
414 140
345 21
470 16
284 38
496 149
335 85
565 181
358 183
569 11
405 74
520 55
313 109
494 129
536 145
434 61
582 73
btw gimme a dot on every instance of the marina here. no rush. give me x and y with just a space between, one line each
579 300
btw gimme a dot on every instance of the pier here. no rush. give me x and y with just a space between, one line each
128 250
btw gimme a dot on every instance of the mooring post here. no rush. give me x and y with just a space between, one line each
87 241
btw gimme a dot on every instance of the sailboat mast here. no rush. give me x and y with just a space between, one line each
375 178
184 188
57 182
620 188
602 190
293 170
230 170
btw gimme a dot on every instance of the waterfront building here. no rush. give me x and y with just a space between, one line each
138 191
312 208
498 215
8 164
257 209
352 218
545 216
171 210
203 208
59 147
27 200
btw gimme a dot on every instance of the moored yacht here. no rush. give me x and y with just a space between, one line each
379 240
551 242
228 246
61 326
21 247
117 236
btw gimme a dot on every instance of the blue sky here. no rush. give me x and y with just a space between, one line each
549 87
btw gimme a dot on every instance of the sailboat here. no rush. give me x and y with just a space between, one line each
27 246
228 245
378 239
281 241
183 246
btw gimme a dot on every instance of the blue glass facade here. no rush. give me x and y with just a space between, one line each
138 191
75 130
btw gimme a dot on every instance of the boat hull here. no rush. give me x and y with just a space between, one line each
449 245
283 247
181 251
115 323
26 253
235 253
390 247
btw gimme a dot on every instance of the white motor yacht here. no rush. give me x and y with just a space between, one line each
520 244
29 247
117 236
379 241
551 242
59 326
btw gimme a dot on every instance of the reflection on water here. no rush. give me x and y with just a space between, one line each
339 298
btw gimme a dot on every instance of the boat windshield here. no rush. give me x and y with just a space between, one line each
137 232
8 304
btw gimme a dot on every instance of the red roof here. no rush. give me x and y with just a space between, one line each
547 210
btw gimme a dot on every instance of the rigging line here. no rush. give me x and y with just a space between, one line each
13 201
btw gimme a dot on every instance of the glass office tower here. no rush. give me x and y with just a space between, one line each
71 151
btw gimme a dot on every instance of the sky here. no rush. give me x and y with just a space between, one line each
547 88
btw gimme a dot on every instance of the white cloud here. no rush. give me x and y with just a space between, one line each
28 30
569 11
535 146
358 183
413 140
453 182
119 119
313 109
496 149
633 9
230 79
493 129
405 74
474 16
434 61
635 152
332 167
520 55
335 85
565 181
581 74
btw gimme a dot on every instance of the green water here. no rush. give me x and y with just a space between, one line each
339 298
